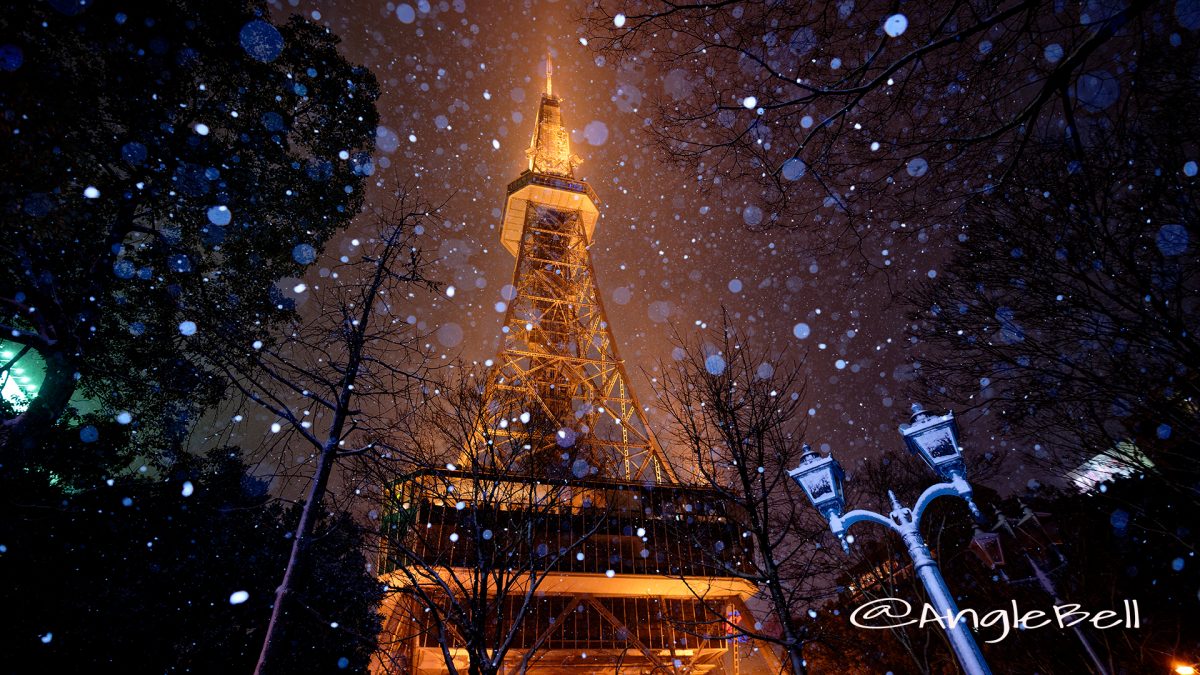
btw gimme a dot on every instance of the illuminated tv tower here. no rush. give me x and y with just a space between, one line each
637 598
558 350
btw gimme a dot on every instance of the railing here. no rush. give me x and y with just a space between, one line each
441 519
553 181
662 625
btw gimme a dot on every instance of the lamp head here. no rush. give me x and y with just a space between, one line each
987 546
821 479
934 438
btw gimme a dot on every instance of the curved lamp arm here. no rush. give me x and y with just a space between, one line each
957 487
840 523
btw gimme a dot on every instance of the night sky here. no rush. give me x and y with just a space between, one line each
1004 192
460 84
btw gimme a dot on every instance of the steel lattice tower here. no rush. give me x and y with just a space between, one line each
624 604
558 350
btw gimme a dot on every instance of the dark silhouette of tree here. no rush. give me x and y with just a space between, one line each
738 414
852 119
165 166
340 378
1069 309
138 573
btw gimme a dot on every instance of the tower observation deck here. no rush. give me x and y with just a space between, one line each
627 594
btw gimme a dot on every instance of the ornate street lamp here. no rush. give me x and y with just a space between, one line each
821 478
935 439
987 546
1033 529
1038 530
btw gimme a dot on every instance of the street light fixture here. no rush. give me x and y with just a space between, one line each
987 546
821 478
1032 533
935 439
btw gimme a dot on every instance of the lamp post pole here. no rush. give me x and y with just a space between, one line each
907 523
1048 587
935 439
990 550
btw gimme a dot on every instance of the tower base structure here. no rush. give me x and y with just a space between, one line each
566 543
629 592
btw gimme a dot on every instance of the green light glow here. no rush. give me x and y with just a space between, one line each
19 385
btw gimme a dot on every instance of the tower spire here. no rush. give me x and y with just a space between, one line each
550 150
559 355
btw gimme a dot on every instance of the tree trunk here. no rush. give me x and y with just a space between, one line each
20 433
354 334
308 517
791 636
797 660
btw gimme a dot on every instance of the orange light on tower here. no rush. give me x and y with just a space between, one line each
558 394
